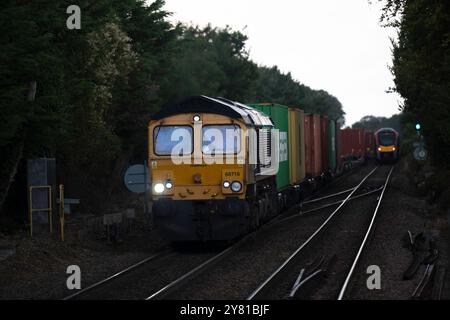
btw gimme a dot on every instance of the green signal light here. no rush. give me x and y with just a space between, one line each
418 126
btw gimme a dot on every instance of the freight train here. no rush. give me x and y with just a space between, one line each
387 144
220 168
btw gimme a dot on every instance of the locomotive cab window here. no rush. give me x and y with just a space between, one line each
173 140
387 138
221 139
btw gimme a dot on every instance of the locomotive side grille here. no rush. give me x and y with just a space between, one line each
264 148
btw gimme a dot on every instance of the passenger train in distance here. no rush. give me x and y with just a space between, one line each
387 143
220 168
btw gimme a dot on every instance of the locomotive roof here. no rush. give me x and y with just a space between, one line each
385 129
222 106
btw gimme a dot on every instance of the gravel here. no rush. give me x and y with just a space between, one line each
401 211
252 263
37 270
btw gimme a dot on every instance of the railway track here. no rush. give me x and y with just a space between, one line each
364 241
286 281
150 273
183 280
117 286
172 286
343 181
232 277
97 285
335 182
112 286
331 204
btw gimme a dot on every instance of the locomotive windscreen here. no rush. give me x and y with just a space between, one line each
168 140
386 138
221 139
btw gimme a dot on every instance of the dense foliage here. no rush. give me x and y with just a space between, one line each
421 67
97 87
373 123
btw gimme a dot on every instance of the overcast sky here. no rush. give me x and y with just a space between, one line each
338 46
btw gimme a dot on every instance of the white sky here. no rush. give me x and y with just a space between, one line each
338 46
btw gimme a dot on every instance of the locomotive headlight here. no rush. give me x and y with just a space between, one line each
226 184
196 118
159 187
236 186
169 184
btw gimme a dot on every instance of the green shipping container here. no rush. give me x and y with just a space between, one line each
280 117
332 144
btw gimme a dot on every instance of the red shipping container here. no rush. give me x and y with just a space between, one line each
339 153
313 146
359 143
361 150
348 142
324 142
352 143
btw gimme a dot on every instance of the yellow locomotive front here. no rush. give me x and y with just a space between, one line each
199 170
182 166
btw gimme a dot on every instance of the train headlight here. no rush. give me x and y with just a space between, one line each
196 118
236 186
226 184
169 184
159 187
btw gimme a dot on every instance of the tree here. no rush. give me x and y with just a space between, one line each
98 86
274 86
373 123
421 67
95 86
210 61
